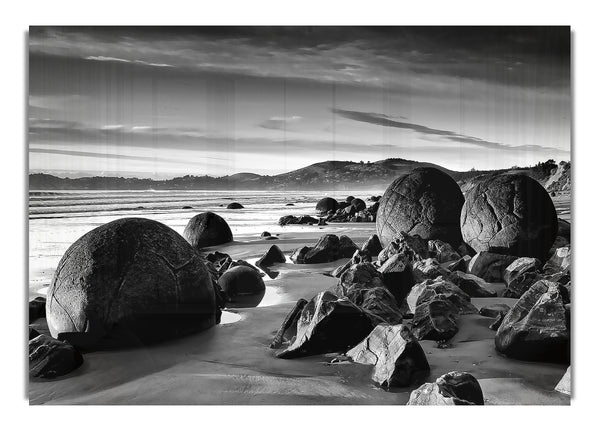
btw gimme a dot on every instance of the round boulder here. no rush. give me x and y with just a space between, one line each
127 281
243 286
327 204
207 229
235 206
509 214
358 204
349 199
424 202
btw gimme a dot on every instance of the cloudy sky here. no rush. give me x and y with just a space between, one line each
162 102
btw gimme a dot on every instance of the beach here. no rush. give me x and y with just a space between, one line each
232 362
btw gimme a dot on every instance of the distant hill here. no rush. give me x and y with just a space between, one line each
329 175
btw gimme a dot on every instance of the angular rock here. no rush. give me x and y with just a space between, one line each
453 388
428 269
327 249
398 278
412 248
328 324
472 285
435 319
559 261
50 358
33 333
207 229
37 308
424 202
299 254
510 214
494 310
536 328
489 266
272 256
520 284
372 245
290 219
396 354
520 266
564 385
499 319
449 291
442 251
460 265
289 326
347 247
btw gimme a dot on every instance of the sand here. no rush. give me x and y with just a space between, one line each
233 364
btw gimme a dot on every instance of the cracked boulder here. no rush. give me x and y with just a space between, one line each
328 324
424 202
452 389
509 214
207 229
396 354
243 287
50 358
537 327
135 277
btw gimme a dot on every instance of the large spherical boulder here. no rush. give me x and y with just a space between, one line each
327 204
207 229
243 286
424 202
509 214
128 281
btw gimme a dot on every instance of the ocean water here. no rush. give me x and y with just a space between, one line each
59 218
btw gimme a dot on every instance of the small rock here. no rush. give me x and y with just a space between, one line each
265 234
50 358
37 308
428 269
372 245
453 388
460 265
442 251
235 206
272 256
494 310
489 266
435 319
470 284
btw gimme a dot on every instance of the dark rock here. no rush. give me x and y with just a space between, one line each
536 328
412 248
460 265
349 199
322 222
494 310
435 319
509 214
265 234
50 358
328 324
290 324
272 256
465 250
289 204
453 388
490 266
442 288
560 261
299 254
235 206
327 249
207 229
442 251
372 245
396 354
347 247
564 229
243 286
37 308
398 278
358 204
519 285
33 333
187 207
133 276
499 319
425 202
271 238
290 219
520 275
428 269
326 204
472 285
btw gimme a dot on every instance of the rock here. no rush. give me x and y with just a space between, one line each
271 238
132 276
564 229
358 204
50 358
520 275
363 285
243 286
340 269
428 269
289 204
460 265
290 324
412 248
425 202
453 388
372 245
465 250
509 214
328 324
397 277
435 319
322 222
299 254
347 247
327 249
326 204
396 354
235 206
33 333
265 234
560 261
37 308
449 291
187 207
489 266
272 256
442 251
499 319
349 210
519 285
349 199
494 310
564 385
472 285
207 229
290 219
536 328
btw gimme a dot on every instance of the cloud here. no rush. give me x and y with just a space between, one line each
280 123
386 121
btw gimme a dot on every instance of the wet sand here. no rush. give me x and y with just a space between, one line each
233 364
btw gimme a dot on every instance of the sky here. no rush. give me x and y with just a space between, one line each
159 102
